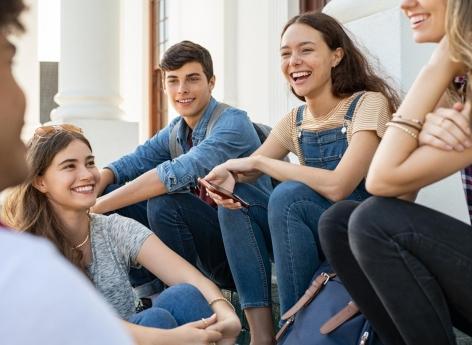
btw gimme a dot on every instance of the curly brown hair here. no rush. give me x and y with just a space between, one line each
10 11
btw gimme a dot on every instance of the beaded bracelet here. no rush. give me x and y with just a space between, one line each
404 129
217 299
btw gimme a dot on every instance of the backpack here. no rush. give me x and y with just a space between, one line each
262 130
326 315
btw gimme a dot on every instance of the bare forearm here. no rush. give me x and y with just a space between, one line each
106 178
142 188
148 335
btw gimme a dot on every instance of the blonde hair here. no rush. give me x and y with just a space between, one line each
459 32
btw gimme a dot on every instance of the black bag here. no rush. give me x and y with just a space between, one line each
325 315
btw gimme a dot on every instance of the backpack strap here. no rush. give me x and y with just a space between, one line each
176 149
215 115
345 314
313 290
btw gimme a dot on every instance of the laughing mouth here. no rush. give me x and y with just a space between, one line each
296 76
84 189
418 18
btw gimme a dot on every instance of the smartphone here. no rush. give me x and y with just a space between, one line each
224 193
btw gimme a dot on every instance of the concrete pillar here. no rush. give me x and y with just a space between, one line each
89 77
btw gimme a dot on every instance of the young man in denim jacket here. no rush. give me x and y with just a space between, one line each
162 192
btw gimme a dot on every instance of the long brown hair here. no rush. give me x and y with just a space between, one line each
28 209
353 73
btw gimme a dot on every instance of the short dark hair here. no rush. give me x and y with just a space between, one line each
10 10
184 52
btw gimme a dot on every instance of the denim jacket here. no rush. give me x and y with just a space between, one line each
232 136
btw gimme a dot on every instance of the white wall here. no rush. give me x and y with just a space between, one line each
262 89
201 22
243 39
134 63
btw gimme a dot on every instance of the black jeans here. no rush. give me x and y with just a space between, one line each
408 267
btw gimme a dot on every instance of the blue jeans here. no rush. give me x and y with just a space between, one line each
294 211
408 268
189 227
283 227
248 246
175 306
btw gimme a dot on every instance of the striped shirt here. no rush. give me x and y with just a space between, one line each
371 114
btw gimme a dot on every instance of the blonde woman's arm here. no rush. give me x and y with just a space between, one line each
400 166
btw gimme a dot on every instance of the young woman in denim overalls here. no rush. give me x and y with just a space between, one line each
345 102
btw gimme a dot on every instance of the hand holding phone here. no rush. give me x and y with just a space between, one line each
224 193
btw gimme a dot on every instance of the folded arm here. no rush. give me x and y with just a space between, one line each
400 166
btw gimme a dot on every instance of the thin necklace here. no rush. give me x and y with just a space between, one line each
81 244
86 238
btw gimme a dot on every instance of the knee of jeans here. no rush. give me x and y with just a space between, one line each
285 194
162 202
159 207
332 226
155 317
181 291
288 193
369 221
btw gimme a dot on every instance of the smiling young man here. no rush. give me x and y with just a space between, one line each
162 189
43 299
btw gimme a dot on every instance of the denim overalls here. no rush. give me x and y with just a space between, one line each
283 224
324 149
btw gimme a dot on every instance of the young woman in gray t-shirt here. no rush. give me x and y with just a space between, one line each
54 203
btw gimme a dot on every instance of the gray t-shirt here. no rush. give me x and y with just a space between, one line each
116 242
45 300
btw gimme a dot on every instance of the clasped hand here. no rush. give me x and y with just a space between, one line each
448 128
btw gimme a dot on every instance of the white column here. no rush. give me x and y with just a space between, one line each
89 76
26 67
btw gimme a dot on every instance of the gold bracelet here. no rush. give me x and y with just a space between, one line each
408 123
418 122
217 299
404 129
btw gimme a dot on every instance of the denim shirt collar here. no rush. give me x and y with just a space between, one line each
200 129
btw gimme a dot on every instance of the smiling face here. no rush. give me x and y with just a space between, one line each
69 181
188 90
13 168
306 60
427 19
